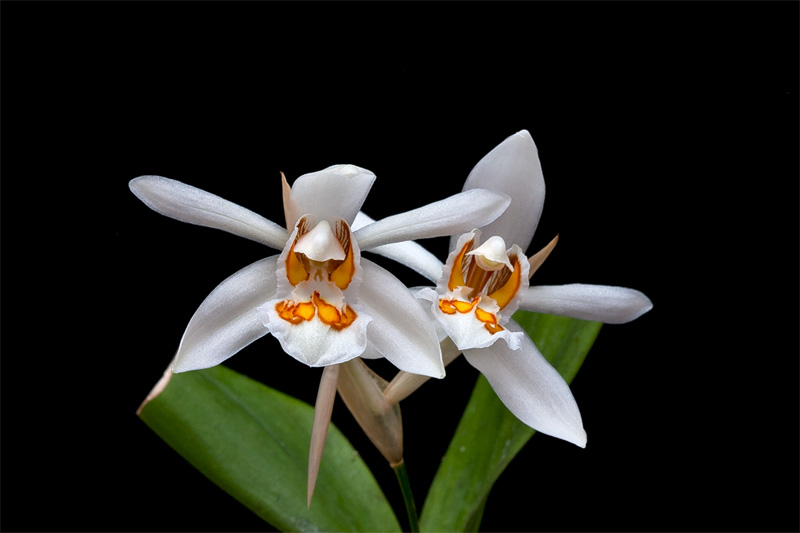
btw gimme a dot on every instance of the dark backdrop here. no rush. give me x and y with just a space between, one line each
668 135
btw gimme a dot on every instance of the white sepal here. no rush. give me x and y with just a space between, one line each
338 191
531 388
612 305
408 253
401 329
454 215
227 320
189 204
513 168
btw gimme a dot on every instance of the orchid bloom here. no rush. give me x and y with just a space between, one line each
322 300
484 281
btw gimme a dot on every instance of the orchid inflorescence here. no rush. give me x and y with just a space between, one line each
330 307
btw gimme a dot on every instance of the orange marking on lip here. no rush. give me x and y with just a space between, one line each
465 307
327 312
348 317
295 313
331 316
454 306
493 328
447 307
489 320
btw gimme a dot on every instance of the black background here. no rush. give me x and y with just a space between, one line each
668 136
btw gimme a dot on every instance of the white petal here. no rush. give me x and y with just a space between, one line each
362 219
454 215
401 329
227 320
612 305
531 389
196 206
414 256
408 253
371 353
512 168
337 191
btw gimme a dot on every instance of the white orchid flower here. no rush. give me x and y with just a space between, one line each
322 300
483 283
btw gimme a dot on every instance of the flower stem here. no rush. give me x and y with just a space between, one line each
408 496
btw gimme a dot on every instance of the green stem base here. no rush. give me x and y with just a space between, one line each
408 496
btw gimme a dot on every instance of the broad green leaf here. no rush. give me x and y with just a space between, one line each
489 436
253 442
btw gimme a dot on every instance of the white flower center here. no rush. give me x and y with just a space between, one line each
320 264
482 281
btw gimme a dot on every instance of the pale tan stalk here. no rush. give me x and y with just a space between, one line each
286 190
538 258
159 387
322 418
405 383
362 392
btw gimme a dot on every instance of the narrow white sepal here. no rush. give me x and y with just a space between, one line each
337 191
408 253
612 305
513 168
531 388
227 320
189 204
401 329
454 215
323 408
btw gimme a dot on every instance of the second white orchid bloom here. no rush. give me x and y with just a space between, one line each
483 283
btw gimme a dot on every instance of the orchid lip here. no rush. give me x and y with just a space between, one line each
478 291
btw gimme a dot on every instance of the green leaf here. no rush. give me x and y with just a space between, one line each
253 442
489 436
